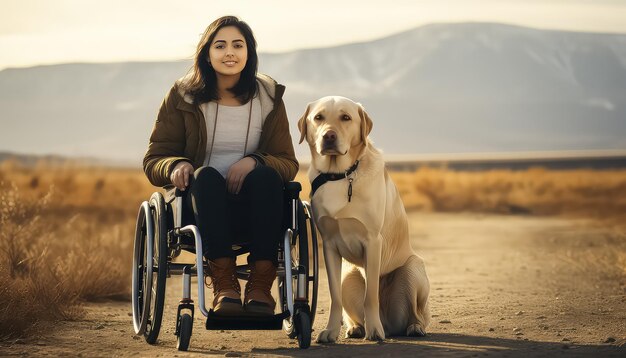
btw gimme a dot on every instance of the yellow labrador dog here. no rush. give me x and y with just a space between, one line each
383 288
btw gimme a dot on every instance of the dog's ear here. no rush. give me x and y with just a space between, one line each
302 123
366 124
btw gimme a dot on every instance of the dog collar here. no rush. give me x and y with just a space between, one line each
324 178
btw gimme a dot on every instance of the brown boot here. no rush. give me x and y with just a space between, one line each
258 298
226 289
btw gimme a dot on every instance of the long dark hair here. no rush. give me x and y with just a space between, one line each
202 83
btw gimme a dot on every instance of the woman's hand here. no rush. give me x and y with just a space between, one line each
180 175
237 173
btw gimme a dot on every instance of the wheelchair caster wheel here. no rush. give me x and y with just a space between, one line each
302 324
184 332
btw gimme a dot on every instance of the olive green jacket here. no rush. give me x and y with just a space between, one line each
180 133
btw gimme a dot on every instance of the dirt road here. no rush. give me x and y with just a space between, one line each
500 286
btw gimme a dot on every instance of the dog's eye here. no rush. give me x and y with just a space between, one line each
318 117
346 117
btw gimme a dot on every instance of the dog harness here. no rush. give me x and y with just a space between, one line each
324 178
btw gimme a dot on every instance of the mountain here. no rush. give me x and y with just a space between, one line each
467 87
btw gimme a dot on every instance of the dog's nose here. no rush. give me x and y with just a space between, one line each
330 136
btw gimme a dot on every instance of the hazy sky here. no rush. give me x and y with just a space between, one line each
36 32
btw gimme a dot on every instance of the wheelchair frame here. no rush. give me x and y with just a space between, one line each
156 245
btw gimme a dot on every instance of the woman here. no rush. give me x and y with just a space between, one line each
224 129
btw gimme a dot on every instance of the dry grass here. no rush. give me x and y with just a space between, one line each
67 232
535 191
66 237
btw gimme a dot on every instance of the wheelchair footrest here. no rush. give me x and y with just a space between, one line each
246 322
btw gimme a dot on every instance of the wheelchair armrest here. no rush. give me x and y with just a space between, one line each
292 189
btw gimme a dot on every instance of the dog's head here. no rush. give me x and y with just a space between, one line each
333 125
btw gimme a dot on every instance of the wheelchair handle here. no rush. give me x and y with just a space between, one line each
293 189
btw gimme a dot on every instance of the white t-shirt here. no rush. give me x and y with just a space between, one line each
230 133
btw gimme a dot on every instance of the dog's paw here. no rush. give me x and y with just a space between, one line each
374 332
415 330
355 332
328 336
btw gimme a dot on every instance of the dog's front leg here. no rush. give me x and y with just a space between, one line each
333 269
373 327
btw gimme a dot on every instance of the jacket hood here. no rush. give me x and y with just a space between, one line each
267 88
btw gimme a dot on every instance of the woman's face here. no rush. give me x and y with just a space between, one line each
228 52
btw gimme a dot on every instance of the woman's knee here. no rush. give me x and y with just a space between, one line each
264 176
207 175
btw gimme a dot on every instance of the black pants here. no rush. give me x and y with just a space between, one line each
255 215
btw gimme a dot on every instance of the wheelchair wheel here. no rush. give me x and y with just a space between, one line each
142 275
304 258
184 332
150 268
315 275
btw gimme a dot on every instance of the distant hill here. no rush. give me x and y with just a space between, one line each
468 87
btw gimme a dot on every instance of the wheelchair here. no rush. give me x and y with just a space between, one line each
160 238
